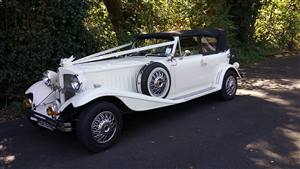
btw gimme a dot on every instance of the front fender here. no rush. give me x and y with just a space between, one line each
134 101
41 93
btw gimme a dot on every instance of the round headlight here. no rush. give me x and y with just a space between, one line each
76 84
46 78
50 78
47 81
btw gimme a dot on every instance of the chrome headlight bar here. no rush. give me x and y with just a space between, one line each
46 78
49 78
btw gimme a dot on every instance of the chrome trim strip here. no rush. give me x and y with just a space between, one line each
41 117
33 118
193 93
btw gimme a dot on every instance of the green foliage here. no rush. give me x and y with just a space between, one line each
35 35
278 23
243 14
98 23
249 54
212 14
15 106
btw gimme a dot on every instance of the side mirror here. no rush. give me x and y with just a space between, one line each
187 53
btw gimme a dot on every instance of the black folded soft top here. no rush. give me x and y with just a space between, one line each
219 34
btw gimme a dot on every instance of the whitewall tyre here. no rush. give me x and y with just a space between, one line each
156 80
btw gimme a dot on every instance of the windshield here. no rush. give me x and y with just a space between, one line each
158 51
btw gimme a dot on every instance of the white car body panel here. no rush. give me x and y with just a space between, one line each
43 97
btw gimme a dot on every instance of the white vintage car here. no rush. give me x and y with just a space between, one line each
89 95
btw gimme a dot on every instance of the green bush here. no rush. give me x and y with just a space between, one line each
278 23
35 35
251 53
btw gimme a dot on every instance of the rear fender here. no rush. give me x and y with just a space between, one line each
223 70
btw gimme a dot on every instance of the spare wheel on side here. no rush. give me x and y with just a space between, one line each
154 80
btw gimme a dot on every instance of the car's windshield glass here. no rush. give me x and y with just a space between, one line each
158 51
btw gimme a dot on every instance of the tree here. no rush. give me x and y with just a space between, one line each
114 8
243 13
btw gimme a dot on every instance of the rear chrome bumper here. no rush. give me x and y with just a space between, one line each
49 123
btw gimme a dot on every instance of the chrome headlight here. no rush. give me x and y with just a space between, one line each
72 85
75 83
50 78
46 78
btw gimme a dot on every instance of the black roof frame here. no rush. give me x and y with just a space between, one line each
219 34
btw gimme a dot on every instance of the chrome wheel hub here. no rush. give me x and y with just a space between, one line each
230 85
103 127
158 82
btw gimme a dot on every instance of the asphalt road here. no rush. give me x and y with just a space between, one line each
260 128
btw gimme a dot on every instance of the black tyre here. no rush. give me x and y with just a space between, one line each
156 80
229 85
99 126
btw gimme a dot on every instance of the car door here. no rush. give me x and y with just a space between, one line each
211 57
190 69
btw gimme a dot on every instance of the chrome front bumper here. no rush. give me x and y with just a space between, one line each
49 123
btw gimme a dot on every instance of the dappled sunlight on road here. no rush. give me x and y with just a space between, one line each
275 84
6 158
267 153
264 95
294 137
282 150
263 147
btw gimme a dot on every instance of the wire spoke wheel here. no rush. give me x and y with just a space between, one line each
103 127
230 85
154 80
158 82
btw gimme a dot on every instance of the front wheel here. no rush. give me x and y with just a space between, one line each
99 126
229 85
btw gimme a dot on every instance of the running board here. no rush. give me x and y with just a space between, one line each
196 93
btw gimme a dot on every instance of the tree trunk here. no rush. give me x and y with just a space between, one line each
114 8
243 13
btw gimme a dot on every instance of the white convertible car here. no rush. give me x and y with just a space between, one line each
89 95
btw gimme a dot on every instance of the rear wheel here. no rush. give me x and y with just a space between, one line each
229 85
99 126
